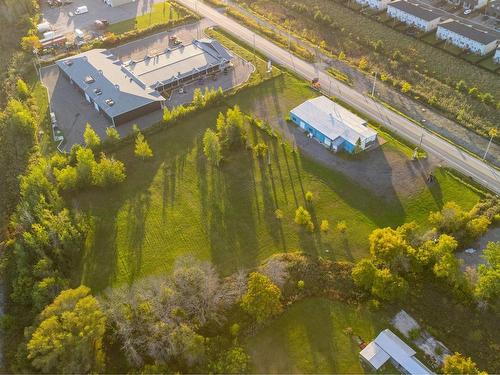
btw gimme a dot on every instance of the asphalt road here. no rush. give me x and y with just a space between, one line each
445 151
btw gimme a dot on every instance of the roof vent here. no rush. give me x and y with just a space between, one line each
68 62
89 79
117 87
97 91
100 71
110 102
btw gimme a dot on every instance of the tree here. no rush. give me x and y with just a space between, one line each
198 99
212 147
476 227
363 63
69 335
142 149
22 89
363 273
187 346
262 300
112 134
302 216
341 56
488 285
232 361
388 247
458 364
324 226
67 178
357 147
231 131
90 137
309 196
405 87
388 286
108 171
451 219
342 226
85 162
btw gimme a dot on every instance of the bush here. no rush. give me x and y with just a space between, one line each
302 216
309 196
325 226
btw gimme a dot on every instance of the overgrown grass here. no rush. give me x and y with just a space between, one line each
177 204
160 13
310 338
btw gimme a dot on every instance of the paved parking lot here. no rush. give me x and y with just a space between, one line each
73 112
63 23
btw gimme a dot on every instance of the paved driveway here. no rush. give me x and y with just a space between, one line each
64 24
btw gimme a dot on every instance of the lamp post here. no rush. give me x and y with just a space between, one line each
493 132
374 81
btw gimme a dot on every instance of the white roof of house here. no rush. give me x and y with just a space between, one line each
375 355
401 353
333 120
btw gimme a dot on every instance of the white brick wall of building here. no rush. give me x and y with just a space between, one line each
464 42
412 20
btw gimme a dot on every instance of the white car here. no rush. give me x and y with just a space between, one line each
82 10
467 11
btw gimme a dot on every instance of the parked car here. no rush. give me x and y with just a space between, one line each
82 10
467 11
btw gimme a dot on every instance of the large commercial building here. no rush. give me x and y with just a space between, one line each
126 91
332 125
467 37
413 15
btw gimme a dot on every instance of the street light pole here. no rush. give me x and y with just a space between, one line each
374 81
493 132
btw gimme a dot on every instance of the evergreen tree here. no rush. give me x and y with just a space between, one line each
142 149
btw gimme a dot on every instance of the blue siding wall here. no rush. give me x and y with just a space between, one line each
349 147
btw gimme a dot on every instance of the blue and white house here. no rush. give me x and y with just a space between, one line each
332 125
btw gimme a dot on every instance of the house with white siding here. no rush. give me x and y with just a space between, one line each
374 4
413 15
332 125
496 58
474 4
467 37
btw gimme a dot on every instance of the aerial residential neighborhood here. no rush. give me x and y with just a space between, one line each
250 186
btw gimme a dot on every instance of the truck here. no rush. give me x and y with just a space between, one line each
81 10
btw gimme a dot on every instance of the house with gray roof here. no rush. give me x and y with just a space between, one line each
467 37
413 15
126 91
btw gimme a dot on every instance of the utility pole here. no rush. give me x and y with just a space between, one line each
492 133
421 138
374 81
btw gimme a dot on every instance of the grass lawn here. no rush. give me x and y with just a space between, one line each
490 65
431 39
176 204
455 51
309 338
473 58
161 13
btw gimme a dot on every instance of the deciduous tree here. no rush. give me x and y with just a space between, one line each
90 137
262 300
142 149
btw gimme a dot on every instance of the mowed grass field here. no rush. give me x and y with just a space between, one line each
177 204
310 337
160 13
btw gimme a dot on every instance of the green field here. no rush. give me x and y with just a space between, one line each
176 204
309 338
160 13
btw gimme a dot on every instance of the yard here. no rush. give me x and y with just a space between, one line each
160 13
176 204
310 338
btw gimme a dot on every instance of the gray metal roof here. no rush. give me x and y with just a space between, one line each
174 64
469 32
414 9
109 79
